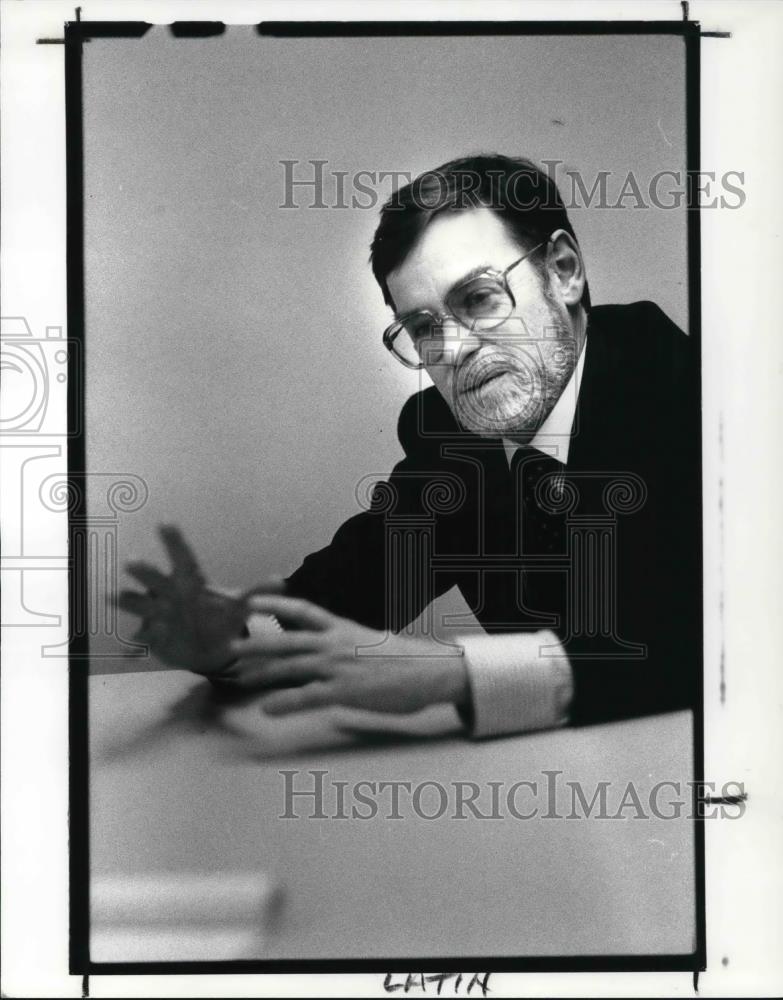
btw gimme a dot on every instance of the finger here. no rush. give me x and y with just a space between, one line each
230 593
288 672
136 604
277 644
271 585
314 695
182 558
152 578
152 630
292 611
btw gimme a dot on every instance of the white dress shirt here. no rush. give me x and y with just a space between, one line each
523 681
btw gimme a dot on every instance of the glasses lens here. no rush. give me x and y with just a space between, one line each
481 303
403 347
418 326
417 340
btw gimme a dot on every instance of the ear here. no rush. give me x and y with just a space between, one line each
566 267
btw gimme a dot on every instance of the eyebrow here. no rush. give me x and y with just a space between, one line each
474 273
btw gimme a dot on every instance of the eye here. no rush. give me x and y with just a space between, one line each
419 326
481 298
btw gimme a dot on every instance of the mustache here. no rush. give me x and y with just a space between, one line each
485 365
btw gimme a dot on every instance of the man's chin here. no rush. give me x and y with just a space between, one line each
487 421
496 402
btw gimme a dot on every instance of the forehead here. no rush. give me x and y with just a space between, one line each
451 246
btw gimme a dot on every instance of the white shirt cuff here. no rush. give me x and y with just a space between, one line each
519 682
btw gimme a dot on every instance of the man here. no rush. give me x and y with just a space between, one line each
551 473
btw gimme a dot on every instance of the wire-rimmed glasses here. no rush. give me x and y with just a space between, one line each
479 303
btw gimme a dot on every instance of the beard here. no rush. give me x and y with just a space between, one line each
510 384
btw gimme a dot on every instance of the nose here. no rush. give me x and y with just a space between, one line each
459 341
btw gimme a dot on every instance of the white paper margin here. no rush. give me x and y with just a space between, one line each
742 262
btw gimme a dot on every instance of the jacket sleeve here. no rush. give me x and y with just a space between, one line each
377 568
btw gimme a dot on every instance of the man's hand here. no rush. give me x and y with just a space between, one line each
324 661
184 622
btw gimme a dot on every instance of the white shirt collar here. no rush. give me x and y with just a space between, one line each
553 437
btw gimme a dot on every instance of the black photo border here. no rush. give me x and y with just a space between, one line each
76 34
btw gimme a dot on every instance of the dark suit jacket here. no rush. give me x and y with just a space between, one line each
623 592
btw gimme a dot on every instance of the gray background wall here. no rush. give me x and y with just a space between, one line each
233 348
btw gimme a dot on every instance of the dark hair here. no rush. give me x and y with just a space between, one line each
525 196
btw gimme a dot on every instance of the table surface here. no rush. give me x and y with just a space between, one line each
176 791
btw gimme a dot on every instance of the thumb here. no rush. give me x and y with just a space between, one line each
298 699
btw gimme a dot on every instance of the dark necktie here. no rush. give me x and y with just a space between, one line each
539 480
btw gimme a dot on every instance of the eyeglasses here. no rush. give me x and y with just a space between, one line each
479 303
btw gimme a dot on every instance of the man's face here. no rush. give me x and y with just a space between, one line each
503 381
